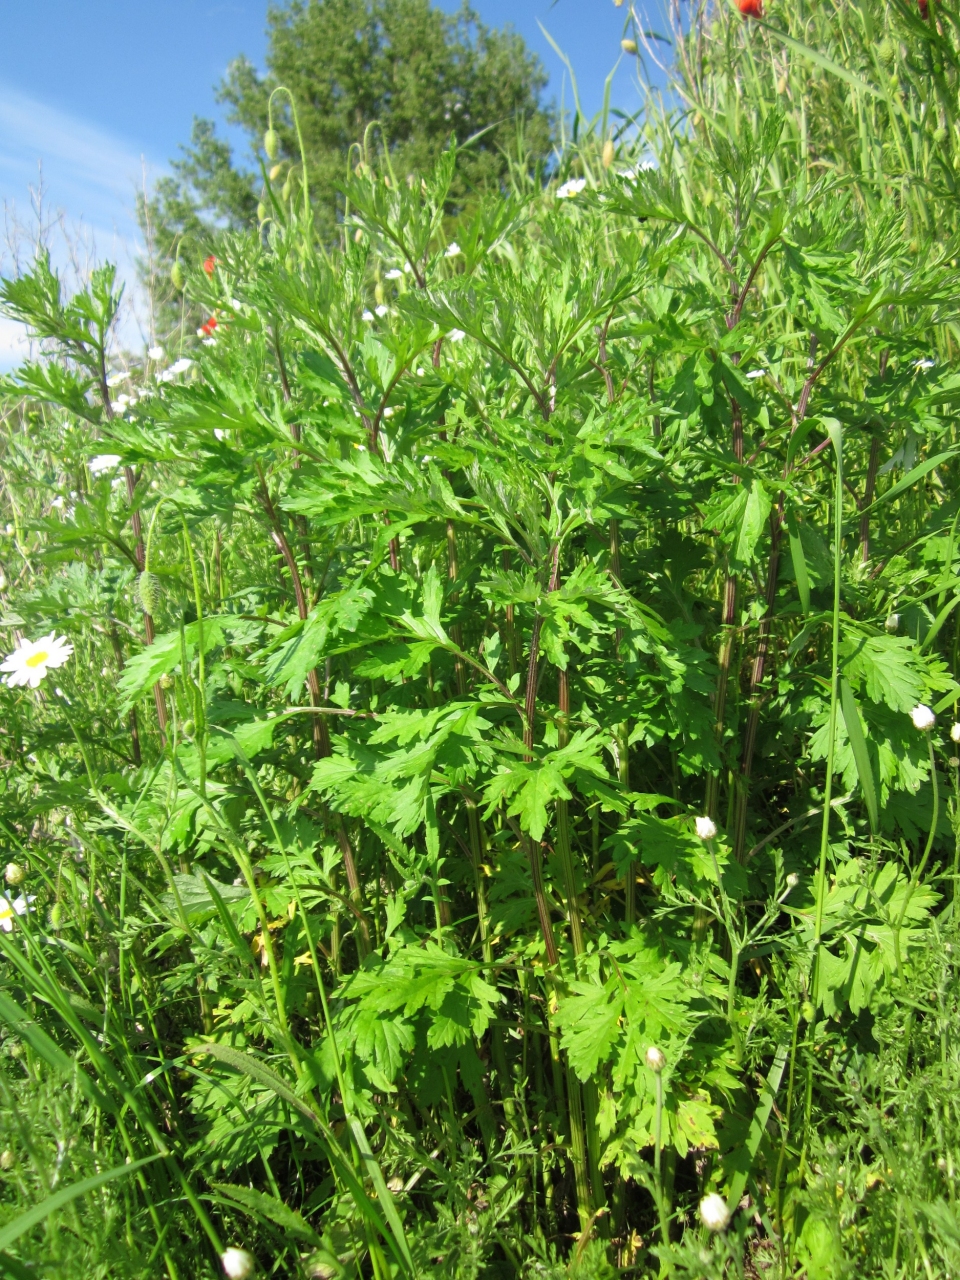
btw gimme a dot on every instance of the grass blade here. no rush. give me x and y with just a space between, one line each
861 756
13 1230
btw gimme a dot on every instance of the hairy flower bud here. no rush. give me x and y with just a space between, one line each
792 880
176 276
628 45
6 1160
892 623
655 1059
275 172
148 589
714 1213
262 212
923 717
706 828
13 873
238 1264
609 152
271 144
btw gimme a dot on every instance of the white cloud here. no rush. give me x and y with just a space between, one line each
90 177
14 345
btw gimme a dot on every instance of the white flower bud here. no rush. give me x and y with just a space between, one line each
955 732
706 828
792 880
655 1059
892 623
13 873
237 1264
922 717
714 1213
6 1160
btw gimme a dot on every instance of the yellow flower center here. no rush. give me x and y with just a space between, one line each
38 659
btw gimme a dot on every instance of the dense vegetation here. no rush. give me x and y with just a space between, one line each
499 813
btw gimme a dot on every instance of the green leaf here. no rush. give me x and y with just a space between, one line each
195 896
910 479
858 744
260 1205
799 562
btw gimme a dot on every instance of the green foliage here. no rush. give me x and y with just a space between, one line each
492 802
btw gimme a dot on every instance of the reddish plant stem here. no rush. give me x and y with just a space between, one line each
530 709
728 634
321 734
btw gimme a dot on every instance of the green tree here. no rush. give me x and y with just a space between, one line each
420 74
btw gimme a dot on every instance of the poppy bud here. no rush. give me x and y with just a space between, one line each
275 172
609 151
13 873
807 1011
209 264
751 8
286 189
148 589
176 276
290 262
782 85
886 51
261 212
628 45
271 144
189 728
6 1160
924 8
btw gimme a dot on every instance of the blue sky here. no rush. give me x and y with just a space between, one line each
102 92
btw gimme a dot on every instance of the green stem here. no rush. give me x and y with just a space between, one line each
832 724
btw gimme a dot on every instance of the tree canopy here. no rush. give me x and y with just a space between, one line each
417 74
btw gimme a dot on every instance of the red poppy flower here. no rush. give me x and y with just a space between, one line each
751 8
208 326
924 8
209 264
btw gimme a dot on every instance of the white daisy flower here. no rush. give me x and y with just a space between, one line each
103 462
366 315
455 335
706 828
925 364
714 1213
209 342
180 366
58 503
922 717
10 907
452 249
156 353
30 661
382 310
121 402
393 274
572 187
116 379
